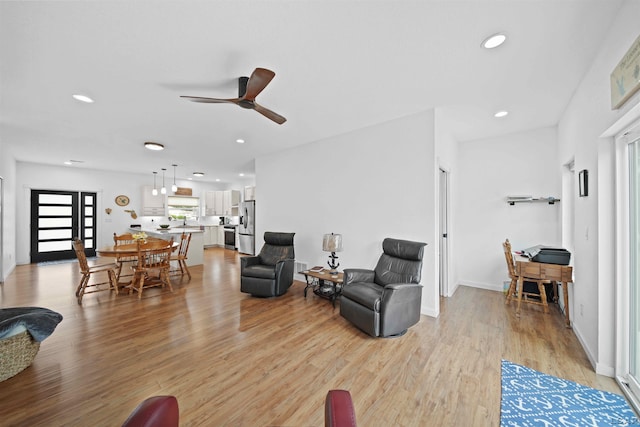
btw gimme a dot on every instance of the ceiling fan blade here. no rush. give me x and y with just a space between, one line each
259 79
211 100
269 114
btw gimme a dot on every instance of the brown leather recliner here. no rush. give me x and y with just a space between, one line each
156 411
338 409
384 302
270 273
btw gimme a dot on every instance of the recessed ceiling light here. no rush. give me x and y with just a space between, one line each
82 98
198 174
153 146
241 174
240 141
217 179
501 114
494 41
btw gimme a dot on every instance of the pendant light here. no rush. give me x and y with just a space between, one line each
163 190
155 190
174 187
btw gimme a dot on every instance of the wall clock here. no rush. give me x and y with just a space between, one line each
122 200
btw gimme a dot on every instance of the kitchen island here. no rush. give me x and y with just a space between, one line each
195 256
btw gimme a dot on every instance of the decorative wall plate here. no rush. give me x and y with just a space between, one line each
122 200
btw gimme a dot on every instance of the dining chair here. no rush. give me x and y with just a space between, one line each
525 294
152 268
123 239
181 256
87 271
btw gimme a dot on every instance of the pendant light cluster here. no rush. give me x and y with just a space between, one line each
163 189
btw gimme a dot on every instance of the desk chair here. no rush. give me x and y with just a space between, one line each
529 297
181 256
88 270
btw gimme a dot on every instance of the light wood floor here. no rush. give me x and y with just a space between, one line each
234 360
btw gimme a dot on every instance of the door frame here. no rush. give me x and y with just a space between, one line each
78 227
443 230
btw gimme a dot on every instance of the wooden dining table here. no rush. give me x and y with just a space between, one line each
131 250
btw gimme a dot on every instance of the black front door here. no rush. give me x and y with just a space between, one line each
57 217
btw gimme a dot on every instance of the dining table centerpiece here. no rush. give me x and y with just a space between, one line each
140 237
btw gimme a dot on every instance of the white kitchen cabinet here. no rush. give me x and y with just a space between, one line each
221 236
249 193
230 202
152 205
211 235
221 203
210 203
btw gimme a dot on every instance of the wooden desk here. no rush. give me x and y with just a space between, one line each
527 269
324 285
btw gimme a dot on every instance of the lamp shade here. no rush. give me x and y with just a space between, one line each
332 242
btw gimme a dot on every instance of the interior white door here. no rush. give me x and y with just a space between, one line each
444 232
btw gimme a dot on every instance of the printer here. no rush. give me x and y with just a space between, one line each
547 255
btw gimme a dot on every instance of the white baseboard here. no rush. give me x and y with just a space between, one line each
599 368
488 286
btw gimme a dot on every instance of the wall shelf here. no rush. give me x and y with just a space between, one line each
512 200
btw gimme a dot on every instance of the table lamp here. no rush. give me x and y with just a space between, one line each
332 243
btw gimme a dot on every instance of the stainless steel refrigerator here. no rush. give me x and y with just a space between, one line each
247 228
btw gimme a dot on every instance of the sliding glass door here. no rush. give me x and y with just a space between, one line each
634 263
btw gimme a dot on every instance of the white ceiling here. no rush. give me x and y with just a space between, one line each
340 66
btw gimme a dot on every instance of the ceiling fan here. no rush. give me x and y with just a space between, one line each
248 89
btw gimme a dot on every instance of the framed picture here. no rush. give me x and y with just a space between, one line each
583 177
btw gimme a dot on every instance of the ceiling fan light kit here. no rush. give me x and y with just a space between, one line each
248 90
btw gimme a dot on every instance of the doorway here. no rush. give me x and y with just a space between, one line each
443 185
57 217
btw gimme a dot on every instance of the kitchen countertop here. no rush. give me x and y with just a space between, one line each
170 230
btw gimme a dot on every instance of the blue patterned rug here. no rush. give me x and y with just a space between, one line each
531 398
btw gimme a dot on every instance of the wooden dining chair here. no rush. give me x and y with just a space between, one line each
152 268
87 271
124 239
521 294
181 256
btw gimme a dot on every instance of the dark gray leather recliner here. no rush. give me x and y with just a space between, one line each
270 273
384 302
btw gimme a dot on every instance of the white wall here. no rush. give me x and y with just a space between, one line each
587 117
369 184
488 171
108 185
8 173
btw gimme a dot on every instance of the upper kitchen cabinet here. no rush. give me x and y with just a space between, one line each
249 193
221 203
152 205
230 202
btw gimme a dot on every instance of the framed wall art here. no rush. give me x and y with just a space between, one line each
583 183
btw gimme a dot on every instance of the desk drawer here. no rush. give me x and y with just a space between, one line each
536 270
